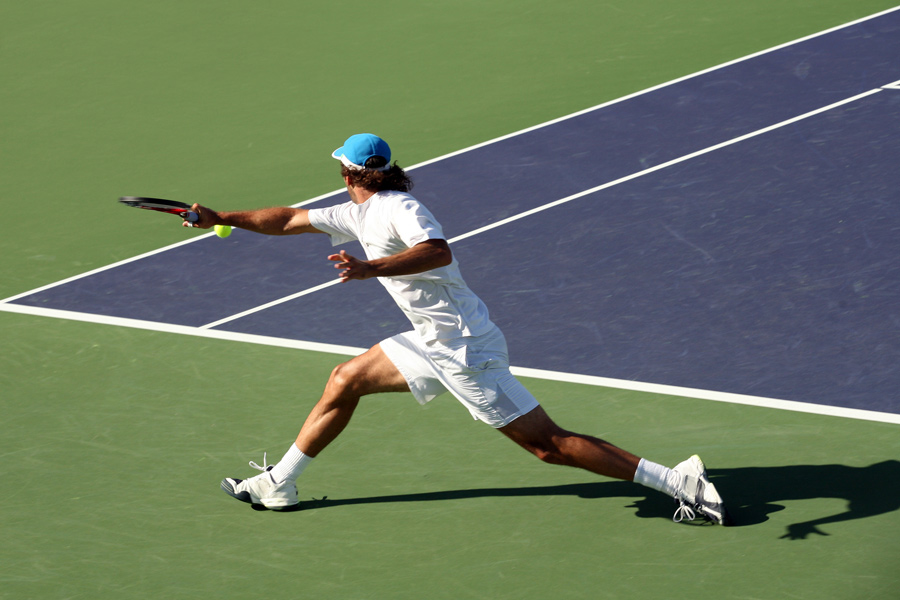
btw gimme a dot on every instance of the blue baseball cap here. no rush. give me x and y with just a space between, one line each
361 147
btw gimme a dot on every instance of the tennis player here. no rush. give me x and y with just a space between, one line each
453 346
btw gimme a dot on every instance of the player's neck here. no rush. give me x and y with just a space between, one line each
359 195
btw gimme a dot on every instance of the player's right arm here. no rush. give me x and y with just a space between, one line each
282 220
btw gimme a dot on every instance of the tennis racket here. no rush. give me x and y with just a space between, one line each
172 207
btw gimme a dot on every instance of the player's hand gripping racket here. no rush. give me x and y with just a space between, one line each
167 206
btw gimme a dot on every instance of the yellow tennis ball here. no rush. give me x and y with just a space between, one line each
223 231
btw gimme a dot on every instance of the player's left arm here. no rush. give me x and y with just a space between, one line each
424 256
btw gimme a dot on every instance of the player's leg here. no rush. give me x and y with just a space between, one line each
537 433
484 384
687 482
369 373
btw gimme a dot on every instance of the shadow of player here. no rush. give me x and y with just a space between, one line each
751 493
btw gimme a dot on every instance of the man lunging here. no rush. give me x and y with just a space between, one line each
453 347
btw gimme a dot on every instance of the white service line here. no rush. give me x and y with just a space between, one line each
665 165
262 307
549 205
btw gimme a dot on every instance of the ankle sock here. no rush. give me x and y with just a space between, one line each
658 477
291 465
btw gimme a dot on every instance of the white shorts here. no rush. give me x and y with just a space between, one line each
474 369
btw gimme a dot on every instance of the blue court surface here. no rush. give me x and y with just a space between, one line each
736 231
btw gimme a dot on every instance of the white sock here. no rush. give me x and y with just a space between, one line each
291 465
658 477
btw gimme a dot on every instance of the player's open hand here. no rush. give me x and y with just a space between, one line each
352 268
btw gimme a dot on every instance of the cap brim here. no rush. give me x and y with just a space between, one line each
339 155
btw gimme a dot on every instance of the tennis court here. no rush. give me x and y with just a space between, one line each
697 258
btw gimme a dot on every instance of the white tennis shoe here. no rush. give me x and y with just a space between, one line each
698 495
263 489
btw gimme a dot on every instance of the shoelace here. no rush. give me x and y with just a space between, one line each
684 511
263 468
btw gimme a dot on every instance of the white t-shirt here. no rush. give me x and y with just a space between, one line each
438 302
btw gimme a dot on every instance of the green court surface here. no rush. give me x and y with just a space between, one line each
114 440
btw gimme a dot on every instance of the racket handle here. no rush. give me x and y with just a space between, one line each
191 217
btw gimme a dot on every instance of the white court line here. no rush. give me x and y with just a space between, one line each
671 390
101 269
134 258
637 386
668 164
588 192
267 305
180 329
658 87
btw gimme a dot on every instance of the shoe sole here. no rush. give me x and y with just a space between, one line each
229 489
245 496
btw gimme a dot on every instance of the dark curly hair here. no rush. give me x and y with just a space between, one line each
393 179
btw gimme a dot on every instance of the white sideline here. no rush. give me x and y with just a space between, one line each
637 386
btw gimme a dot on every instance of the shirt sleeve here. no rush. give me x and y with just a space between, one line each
335 221
414 223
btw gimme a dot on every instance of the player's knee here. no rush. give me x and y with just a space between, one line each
548 452
554 448
344 378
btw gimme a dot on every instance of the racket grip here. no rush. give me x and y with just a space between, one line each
191 217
